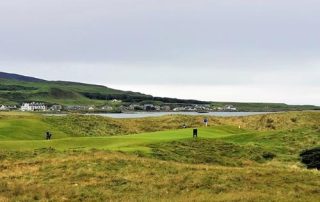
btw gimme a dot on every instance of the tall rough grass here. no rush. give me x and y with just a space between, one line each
80 125
105 176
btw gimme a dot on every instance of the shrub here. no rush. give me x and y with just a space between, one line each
270 121
268 155
294 120
311 158
270 124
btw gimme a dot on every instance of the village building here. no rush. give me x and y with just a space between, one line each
179 109
115 101
124 108
230 108
3 108
56 108
136 107
107 108
76 108
12 107
165 108
157 108
148 107
33 107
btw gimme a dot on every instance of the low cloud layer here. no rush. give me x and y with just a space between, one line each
237 50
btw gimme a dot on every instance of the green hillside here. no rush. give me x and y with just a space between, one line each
59 92
16 89
266 107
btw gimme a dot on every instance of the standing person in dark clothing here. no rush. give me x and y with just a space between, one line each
195 133
205 121
48 135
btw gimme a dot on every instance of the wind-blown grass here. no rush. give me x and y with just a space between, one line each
105 176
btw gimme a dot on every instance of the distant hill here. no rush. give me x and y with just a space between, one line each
4 75
16 89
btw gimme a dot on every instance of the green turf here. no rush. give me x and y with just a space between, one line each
124 143
25 128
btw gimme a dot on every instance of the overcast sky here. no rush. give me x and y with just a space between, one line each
219 50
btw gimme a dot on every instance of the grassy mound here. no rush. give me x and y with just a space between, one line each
209 151
18 126
276 121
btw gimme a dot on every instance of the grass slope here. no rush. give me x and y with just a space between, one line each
24 126
55 92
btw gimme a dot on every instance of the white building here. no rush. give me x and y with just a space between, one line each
230 108
157 108
33 107
57 108
134 107
3 108
115 101
107 108
165 108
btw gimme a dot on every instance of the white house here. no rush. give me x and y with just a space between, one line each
33 107
57 108
115 101
230 108
165 108
3 108
157 108
107 108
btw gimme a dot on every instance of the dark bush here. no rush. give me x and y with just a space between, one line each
270 124
268 155
270 121
311 158
294 120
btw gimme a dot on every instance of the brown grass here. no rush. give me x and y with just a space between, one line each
79 125
105 176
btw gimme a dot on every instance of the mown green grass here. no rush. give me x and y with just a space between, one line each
128 142
27 127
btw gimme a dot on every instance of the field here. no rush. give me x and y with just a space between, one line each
92 158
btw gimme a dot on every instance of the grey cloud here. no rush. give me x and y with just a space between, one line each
203 42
